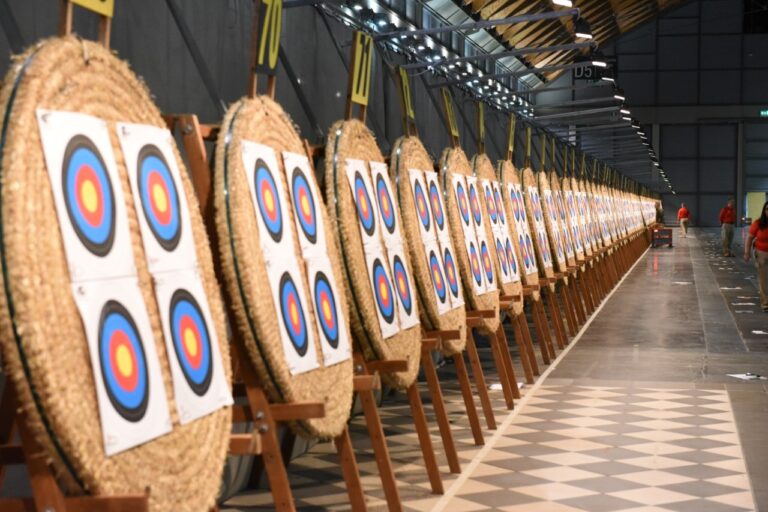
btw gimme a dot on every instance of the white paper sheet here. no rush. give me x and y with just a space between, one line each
405 291
329 312
307 204
421 204
386 204
436 198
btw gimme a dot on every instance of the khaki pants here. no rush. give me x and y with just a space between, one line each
684 226
726 235
761 262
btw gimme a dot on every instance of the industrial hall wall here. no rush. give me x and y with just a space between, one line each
697 78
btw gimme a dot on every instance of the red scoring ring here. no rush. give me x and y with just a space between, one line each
155 179
185 323
86 173
126 382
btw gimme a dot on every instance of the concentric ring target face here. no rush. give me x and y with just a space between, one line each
268 199
487 263
325 308
491 205
364 208
123 362
511 256
386 207
191 341
474 262
529 248
499 206
382 291
421 205
159 197
461 198
502 255
402 283
436 272
293 315
450 272
523 216
474 203
437 205
524 250
515 205
88 195
304 204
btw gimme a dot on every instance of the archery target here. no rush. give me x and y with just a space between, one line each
511 258
501 254
129 385
436 273
421 203
197 372
524 251
384 298
123 362
485 256
332 327
436 203
460 189
89 201
270 202
452 278
88 195
475 266
402 282
474 201
360 184
153 172
386 204
490 203
498 203
291 313
191 341
514 200
306 201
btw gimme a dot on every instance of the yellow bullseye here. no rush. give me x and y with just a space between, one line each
124 361
327 309
269 200
89 196
294 312
305 205
159 198
190 342
383 291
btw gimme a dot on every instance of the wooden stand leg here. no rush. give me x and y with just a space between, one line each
557 320
502 370
349 469
425 441
570 314
587 291
542 331
469 401
522 332
482 387
506 357
578 293
383 462
438 404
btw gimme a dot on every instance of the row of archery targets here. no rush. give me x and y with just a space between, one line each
138 296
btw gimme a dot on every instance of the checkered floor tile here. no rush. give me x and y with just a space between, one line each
568 448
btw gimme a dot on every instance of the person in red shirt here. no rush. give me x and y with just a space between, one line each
758 235
682 216
727 225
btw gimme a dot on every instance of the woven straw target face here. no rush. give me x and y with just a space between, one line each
550 221
280 264
538 244
571 218
469 232
378 284
49 363
562 219
499 234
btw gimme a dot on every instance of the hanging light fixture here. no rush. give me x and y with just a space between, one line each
582 29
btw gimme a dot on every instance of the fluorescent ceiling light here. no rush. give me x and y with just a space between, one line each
626 118
607 79
600 63
625 111
619 97
564 3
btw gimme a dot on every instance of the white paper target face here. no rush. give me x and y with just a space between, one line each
437 204
476 273
383 291
133 408
487 264
307 204
329 312
511 256
452 278
159 198
490 204
461 193
505 269
292 315
437 275
270 202
421 205
199 383
385 204
365 203
407 303
89 199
